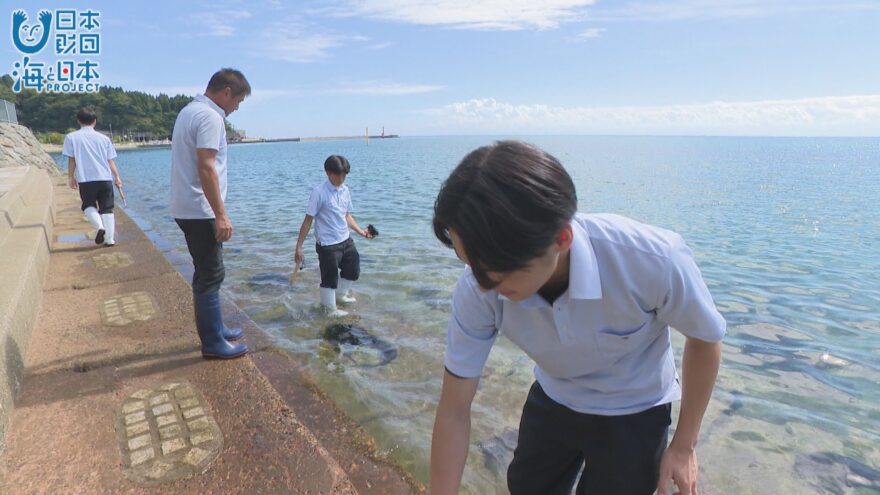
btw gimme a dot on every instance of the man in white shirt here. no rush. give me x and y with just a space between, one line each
330 207
91 169
198 195
591 299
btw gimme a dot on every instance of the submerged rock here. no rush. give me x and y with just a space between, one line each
360 346
498 450
835 473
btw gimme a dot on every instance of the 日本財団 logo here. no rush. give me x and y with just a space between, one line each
58 51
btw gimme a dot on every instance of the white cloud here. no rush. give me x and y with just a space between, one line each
383 89
590 33
676 10
220 23
292 42
467 14
832 115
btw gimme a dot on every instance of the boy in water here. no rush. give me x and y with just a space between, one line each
330 208
591 299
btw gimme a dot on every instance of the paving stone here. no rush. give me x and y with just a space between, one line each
128 308
199 424
188 403
153 439
138 428
183 393
173 445
170 432
193 413
142 394
135 417
163 409
143 455
119 259
139 442
195 456
166 420
201 437
132 406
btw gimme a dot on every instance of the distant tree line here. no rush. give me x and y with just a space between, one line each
131 115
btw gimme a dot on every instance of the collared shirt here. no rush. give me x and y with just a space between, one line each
603 346
329 205
199 125
92 152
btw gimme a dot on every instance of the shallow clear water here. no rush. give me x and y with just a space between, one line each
786 231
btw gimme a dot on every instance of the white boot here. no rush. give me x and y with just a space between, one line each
109 228
328 300
95 219
344 291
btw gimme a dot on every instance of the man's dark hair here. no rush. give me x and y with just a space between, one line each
229 78
506 202
337 164
86 116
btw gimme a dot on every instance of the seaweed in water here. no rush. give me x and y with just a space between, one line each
339 333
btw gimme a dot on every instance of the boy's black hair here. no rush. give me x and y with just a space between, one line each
232 79
337 164
86 116
506 202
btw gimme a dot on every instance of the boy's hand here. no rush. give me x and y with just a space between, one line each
679 466
366 234
72 183
297 258
224 228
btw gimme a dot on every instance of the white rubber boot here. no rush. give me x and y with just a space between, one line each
95 219
343 293
328 300
109 229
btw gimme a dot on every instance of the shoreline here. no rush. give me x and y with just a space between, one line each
56 148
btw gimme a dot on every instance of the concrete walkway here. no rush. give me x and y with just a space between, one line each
117 399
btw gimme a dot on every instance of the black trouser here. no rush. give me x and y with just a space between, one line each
97 193
622 453
334 258
206 252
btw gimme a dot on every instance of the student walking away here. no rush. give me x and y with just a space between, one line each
198 202
331 210
91 169
591 299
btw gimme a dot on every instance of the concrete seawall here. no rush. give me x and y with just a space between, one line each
26 226
104 390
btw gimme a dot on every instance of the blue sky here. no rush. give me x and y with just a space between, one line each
697 67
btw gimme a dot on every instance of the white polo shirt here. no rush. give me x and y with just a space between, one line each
199 125
603 346
92 152
329 205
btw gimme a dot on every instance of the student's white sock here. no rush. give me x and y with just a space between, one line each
94 217
109 229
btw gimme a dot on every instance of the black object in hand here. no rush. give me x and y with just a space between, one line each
372 230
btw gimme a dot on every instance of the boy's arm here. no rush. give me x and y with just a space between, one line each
303 232
71 168
116 179
699 369
352 223
452 429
